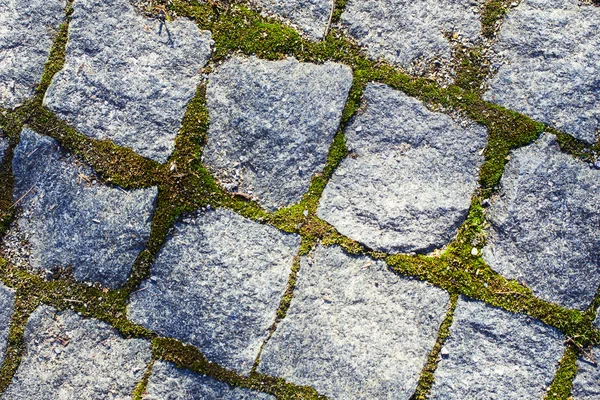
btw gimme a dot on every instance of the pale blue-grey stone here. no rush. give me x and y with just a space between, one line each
271 125
7 306
408 181
310 16
68 357
586 385
548 61
409 32
69 220
217 284
355 330
545 224
128 78
167 382
497 355
27 30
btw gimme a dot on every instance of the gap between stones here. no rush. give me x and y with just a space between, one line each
189 186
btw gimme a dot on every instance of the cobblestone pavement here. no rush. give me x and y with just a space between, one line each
299 199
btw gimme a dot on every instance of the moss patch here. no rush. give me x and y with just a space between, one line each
185 185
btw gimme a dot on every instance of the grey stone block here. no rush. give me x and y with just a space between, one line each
310 16
128 78
69 357
408 181
494 354
68 219
272 123
545 224
28 29
355 330
586 385
548 61
409 32
168 382
7 307
217 284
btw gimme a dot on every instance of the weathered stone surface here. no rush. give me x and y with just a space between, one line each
586 385
217 284
548 55
545 224
272 123
28 29
67 219
7 304
128 78
494 354
310 16
408 32
169 382
407 184
3 146
355 330
69 357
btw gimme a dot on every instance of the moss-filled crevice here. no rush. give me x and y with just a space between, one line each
492 16
140 388
189 357
560 388
185 186
25 303
427 375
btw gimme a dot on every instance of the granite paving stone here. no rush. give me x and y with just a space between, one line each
7 305
412 32
128 78
407 184
67 219
354 329
548 65
70 357
217 284
311 17
586 385
272 123
494 354
27 31
545 224
167 382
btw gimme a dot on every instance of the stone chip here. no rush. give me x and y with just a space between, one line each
128 78
272 123
548 65
408 182
217 284
26 37
493 354
545 224
355 330
68 357
69 220
169 382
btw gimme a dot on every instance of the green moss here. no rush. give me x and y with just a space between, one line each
427 375
338 8
561 386
140 388
185 185
190 358
493 12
